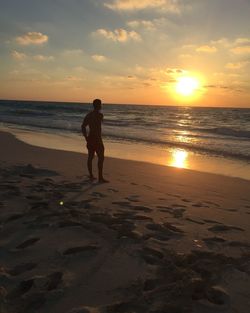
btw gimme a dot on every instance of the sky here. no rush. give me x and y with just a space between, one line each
126 51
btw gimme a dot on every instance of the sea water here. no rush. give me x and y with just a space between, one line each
200 138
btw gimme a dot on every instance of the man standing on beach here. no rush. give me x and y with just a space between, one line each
94 139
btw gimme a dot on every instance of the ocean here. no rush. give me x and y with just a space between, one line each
209 132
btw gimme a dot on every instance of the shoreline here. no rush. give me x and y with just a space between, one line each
154 238
167 157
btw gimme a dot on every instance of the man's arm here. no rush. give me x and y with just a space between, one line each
84 125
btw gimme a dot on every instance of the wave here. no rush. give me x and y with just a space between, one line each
226 131
203 148
191 147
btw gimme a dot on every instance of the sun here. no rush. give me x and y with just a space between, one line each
187 86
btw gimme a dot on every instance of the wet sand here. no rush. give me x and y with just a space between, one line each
154 239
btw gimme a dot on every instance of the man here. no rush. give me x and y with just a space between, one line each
94 139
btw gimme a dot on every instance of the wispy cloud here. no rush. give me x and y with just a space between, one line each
18 55
241 50
236 66
119 35
43 58
148 25
32 38
136 5
206 49
243 40
99 58
72 53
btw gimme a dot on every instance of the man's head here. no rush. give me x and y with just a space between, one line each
97 104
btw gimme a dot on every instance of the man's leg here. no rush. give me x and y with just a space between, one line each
100 155
91 154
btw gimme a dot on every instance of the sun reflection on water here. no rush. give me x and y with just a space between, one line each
179 158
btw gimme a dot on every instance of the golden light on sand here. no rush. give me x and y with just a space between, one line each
179 158
187 86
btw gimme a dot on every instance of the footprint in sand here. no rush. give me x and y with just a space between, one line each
98 194
81 249
21 268
239 244
175 212
141 208
194 221
178 213
164 228
125 215
148 187
214 240
113 190
14 217
222 227
211 221
151 256
198 205
122 203
142 218
23 287
132 198
177 205
27 243
162 232
213 203
231 210
186 200
124 228
54 280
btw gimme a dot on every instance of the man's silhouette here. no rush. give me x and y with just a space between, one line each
94 139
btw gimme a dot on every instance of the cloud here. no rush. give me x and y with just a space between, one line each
137 5
206 49
185 56
22 56
32 38
236 66
72 52
120 35
149 25
242 40
99 58
43 58
18 55
241 50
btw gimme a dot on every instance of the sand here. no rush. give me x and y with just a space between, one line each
154 239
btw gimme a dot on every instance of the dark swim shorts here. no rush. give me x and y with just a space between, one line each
95 145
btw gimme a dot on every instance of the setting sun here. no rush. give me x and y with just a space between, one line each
186 86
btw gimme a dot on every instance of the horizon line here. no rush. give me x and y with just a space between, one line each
135 104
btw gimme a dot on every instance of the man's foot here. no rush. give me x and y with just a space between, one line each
91 177
102 180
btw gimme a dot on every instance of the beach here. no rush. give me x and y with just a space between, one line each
153 239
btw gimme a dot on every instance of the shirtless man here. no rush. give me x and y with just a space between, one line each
94 139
